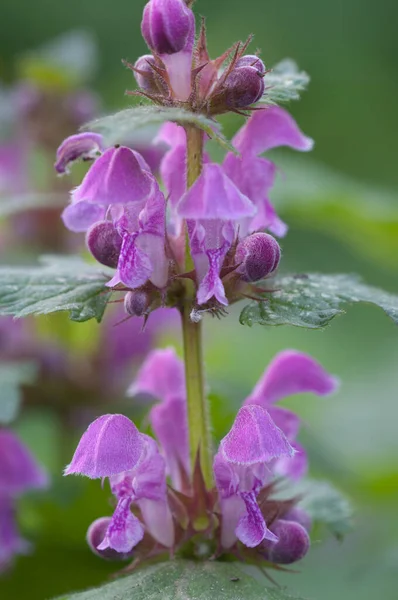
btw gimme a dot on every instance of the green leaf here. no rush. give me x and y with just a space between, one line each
12 376
284 83
186 580
10 205
364 217
326 505
120 126
314 300
58 283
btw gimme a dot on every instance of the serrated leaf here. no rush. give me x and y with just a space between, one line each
326 505
10 205
314 300
284 83
187 580
12 376
58 283
120 126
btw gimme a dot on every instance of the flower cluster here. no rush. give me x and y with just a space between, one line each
122 208
238 515
19 473
139 227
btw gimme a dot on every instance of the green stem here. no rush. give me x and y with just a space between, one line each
198 417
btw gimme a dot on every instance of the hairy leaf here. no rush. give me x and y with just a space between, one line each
314 300
119 127
58 283
186 580
326 505
284 83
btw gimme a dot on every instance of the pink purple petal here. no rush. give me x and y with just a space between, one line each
292 372
111 444
254 438
19 470
215 196
270 128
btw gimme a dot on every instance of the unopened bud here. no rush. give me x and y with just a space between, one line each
104 243
136 303
251 60
292 545
147 79
95 536
167 26
259 255
298 515
244 86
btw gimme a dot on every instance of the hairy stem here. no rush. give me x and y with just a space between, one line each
198 419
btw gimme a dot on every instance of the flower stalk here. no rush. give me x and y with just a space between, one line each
198 414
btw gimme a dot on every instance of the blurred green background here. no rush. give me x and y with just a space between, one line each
347 221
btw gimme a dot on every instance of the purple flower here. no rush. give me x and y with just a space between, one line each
260 442
162 376
113 447
83 146
120 184
290 372
227 202
19 473
240 469
118 177
212 226
266 129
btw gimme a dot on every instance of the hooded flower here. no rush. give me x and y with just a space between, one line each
261 441
240 469
113 447
121 185
290 372
228 201
254 176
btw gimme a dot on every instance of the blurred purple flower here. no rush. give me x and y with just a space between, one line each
19 473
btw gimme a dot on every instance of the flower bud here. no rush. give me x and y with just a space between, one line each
251 60
244 86
104 243
167 26
300 516
292 545
259 255
136 303
96 534
145 76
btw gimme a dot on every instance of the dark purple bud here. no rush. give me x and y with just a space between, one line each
95 536
146 76
251 60
136 303
167 26
147 79
292 546
244 86
104 243
300 516
259 255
